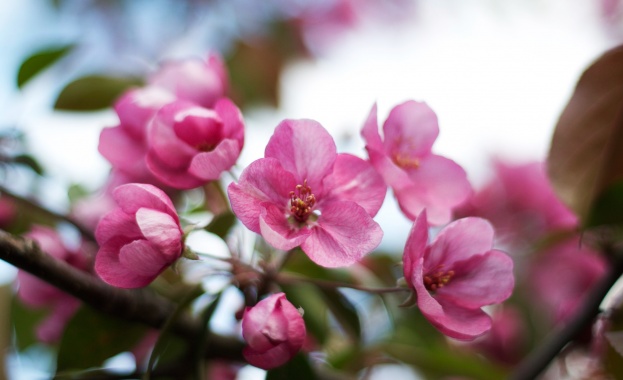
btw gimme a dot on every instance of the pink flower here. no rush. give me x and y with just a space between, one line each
191 145
125 145
506 340
562 276
139 239
521 203
274 331
304 193
195 80
456 275
419 178
39 294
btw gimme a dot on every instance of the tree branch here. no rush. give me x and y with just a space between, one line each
538 359
138 305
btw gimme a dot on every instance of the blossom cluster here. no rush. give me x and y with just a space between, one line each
180 132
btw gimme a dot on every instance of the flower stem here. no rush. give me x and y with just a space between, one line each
538 359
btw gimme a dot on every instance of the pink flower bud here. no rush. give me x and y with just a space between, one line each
139 239
274 330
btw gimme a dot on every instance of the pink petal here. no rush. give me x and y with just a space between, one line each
262 181
35 292
439 185
109 269
143 259
354 179
344 233
117 224
277 230
210 165
198 126
410 129
51 329
370 131
49 241
162 231
133 196
480 280
452 320
233 123
174 177
393 175
162 139
264 325
459 241
415 248
272 358
137 106
120 149
305 149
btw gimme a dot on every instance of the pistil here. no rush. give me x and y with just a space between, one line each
302 202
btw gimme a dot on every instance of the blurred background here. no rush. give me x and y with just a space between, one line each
497 74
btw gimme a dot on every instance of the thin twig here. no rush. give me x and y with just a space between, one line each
288 279
539 359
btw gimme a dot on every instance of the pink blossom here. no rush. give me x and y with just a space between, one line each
274 331
521 203
506 339
37 293
419 178
125 145
457 274
139 239
191 145
304 193
562 276
201 82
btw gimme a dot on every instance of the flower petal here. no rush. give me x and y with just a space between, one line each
410 129
452 320
142 258
161 230
264 180
459 241
120 149
116 224
174 177
133 196
356 180
162 139
415 248
480 280
233 123
277 231
370 131
305 149
209 165
344 233
109 269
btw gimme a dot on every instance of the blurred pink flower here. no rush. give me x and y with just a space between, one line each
520 202
419 178
139 239
198 81
304 193
456 275
191 145
274 331
37 293
8 211
562 276
506 339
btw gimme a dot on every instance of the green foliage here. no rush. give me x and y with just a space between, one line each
92 93
309 298
40 61
221 224
343 311
30 162
608 207
298 368
90 338
24 321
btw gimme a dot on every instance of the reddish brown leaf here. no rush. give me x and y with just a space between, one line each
586 154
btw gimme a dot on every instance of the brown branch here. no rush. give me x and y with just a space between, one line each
138 305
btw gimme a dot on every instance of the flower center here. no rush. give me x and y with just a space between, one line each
302 202
205 147
406 162
437 279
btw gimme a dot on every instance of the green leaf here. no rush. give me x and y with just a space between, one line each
24 321
91 93
343 311
298 368
608 207
30 162
221 224
39 61
90 338
585 157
